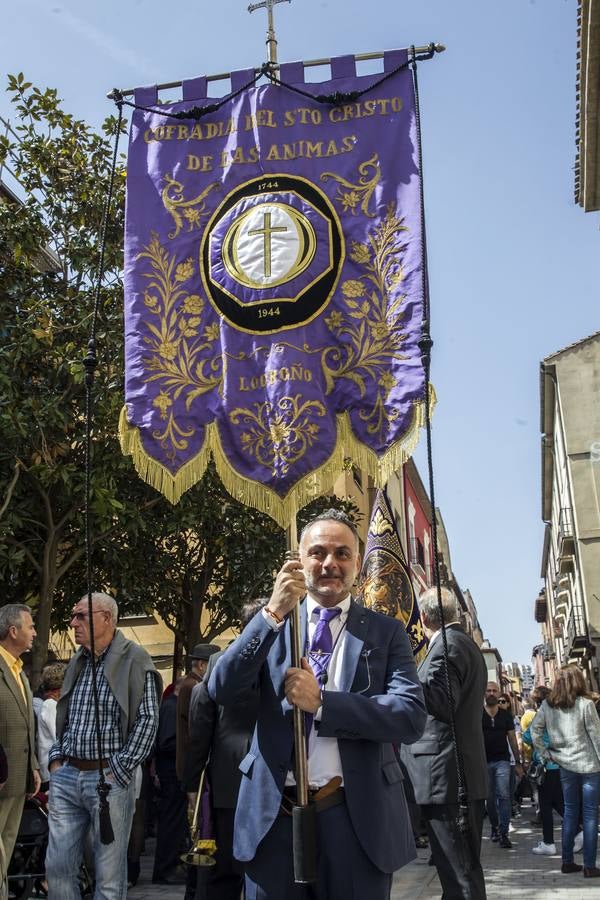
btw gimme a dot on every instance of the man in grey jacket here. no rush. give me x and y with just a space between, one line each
128 691
431 761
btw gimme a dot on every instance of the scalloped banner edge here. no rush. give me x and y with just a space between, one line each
252 493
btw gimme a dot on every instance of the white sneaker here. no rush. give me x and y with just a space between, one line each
578 843
543 849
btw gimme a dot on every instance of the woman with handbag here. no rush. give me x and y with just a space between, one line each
568 716
545 777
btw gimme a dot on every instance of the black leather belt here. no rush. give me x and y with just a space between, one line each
320 797
85 765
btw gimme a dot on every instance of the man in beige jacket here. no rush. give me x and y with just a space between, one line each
17 729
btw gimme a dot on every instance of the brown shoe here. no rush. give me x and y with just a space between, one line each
569 868
591 873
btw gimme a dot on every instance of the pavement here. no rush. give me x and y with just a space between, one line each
515 874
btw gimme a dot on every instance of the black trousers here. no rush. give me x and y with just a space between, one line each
224 880
550 797
344 872
456 856
172 832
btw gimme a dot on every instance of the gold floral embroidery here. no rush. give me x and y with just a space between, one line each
179 358
179 208
162 402
380 525
369 332
173 438
360 253
278 435
353 288
417 633
211 332
193 304
361 192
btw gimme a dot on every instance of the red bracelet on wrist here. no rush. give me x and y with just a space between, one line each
273 615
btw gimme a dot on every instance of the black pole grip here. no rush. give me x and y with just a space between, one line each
304 843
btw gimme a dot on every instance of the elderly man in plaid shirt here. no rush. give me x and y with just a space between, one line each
128 690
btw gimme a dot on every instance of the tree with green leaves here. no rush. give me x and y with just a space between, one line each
195 563
49 256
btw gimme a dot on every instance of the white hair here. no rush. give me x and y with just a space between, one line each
105 602
429 607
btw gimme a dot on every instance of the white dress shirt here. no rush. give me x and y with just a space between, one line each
436 634
324 761
46 735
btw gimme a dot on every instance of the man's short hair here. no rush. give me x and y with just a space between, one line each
429 607
53 676
105 602
11 615
332 515
539 694
249 610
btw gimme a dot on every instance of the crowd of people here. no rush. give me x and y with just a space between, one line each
221 742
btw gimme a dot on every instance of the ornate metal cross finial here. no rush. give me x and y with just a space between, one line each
271 40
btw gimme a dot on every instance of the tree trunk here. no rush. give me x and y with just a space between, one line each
177 648
48 579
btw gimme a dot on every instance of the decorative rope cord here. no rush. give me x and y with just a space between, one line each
196 112
268 70
425 345
90 362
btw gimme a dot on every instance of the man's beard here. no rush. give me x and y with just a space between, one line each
491 701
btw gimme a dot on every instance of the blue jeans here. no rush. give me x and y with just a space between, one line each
498 801
72 812
575 786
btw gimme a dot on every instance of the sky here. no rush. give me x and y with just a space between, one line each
513 261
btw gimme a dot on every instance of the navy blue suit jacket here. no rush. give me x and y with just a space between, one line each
380 703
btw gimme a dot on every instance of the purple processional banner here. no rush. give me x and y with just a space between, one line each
274 286
385 582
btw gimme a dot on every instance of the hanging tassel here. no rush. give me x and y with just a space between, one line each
107 834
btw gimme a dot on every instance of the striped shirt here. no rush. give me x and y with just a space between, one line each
79 737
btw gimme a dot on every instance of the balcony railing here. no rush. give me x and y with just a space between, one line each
577 639
541 607
417 553
548 651
566 534
422 567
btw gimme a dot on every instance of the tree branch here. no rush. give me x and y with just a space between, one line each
45 498
63 521
26 551
77 554
11 487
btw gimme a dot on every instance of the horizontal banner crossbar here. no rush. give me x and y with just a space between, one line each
359 57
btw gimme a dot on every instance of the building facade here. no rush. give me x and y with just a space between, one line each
568 607
587 162
418 520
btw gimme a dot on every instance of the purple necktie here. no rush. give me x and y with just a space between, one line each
321 646
319 653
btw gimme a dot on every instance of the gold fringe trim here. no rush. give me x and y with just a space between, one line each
252 493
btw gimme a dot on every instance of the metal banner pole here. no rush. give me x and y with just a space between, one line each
304 825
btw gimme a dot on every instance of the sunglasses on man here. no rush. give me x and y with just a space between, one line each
81 616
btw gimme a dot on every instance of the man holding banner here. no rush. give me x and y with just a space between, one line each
359 689
275 314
